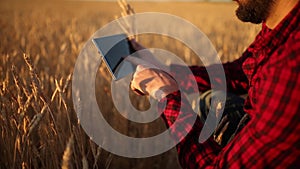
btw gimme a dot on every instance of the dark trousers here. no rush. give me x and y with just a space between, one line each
233 118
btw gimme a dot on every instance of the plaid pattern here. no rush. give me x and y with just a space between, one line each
269 71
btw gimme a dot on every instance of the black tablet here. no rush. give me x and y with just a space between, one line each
113 50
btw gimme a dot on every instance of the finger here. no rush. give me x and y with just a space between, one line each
135 87
136 91
134 84
140 68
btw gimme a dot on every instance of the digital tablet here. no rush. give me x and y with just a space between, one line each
113 50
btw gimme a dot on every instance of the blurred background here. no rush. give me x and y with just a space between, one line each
40 42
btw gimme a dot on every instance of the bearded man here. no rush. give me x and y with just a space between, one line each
268 71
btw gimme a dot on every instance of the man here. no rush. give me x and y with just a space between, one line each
269 71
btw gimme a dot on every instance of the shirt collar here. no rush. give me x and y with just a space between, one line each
270 39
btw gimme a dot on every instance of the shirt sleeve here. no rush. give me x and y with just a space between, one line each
271 138
191 154
235 80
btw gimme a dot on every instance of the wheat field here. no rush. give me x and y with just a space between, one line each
40 41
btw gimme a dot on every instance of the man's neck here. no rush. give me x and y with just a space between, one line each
279 10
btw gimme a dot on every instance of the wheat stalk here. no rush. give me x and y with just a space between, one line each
68 80
96 156
85 164
60 91
108 161
36 120
16 78
62 98
34 77
26 91
38 94
128 28
18 86
67 153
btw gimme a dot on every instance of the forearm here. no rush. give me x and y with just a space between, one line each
199 79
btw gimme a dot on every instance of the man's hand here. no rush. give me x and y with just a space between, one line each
154 82
151 77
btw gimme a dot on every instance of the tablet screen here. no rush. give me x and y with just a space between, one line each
113 50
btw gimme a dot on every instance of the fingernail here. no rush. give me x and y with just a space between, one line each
140 68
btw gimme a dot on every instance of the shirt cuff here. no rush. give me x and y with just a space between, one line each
170 106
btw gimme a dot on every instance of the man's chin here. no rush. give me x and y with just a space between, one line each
248 18
245 14
250 21
253 11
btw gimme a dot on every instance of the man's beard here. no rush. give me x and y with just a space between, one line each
254 11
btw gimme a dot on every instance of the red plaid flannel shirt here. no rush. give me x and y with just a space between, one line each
269 70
